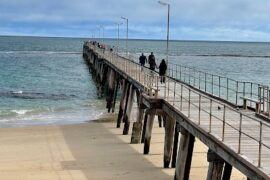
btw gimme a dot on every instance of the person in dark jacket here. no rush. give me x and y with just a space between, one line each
142 60
152 61
162 70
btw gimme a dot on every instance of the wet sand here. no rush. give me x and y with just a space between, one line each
91 150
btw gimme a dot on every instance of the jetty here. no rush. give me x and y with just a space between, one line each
231 118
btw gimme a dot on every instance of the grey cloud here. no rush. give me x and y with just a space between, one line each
205 18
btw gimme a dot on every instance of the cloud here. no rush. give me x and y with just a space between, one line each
190 19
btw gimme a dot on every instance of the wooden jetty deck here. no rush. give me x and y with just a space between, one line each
235 137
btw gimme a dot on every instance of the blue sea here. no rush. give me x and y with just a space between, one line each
46 81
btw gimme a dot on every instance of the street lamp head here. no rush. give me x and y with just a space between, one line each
118 23
123 18
163 3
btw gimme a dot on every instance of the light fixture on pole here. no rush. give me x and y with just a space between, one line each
168 28
118 24
126 34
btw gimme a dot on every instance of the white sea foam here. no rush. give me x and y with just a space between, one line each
17 92
21 111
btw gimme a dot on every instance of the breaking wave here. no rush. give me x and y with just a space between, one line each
35 95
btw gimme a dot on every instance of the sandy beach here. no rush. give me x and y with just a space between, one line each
91 150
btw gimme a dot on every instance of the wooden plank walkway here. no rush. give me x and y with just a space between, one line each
238 129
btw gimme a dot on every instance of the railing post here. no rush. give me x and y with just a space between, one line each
189 76
200 99
172 71
140 76
268 103
236 95
210 117
260 146
205 82
218 86
165 89
181 98
240 134
157 83
212 84
185 74
174 92
194 79
180 73
223 122
168 87
263 99
259 93
227 89
188 102
244 88
251 86
199 79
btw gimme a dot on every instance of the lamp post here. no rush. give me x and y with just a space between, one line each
93 34
102 27
168 28
118 24
98 33
127 35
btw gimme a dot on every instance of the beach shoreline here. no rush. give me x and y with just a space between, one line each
89 150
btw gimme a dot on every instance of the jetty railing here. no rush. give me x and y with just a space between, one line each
215 117
225 88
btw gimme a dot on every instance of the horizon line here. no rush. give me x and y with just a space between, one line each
173 40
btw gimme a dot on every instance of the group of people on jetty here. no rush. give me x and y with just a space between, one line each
143 60
152 65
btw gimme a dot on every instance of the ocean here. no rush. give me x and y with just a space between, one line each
46 81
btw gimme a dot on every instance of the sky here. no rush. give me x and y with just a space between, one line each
220 20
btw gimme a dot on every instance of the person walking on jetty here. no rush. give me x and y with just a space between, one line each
142 60
152 61
162 71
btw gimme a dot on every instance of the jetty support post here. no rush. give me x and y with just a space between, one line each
137 126
216 164
175 143
227 171
111 89
184 158
122 102
148 130
129 104
168 142
144 125
115 92
160 121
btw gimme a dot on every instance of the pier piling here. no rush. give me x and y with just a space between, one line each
216 164
148 131
168 143
137 126
144 125
184 158
175 144
129 104
122 103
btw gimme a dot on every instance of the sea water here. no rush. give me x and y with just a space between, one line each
46 81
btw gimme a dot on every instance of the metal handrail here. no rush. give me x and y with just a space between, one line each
150 80
223 87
